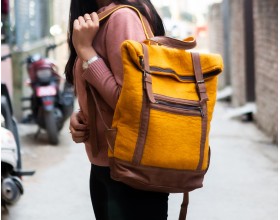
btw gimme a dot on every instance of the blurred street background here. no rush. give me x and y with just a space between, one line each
242 181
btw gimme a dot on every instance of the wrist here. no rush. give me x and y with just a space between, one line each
90 61
87 54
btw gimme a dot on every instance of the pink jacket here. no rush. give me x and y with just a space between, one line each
106 74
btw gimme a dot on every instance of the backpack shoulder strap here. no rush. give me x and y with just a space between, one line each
148 33
184 207
146 27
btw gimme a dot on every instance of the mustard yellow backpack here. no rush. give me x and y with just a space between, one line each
159 138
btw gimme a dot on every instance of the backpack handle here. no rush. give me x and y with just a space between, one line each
185 44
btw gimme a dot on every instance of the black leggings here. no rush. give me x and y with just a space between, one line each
113 200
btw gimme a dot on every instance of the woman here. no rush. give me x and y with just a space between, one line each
95 58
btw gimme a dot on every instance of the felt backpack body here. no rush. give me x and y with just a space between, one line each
159 138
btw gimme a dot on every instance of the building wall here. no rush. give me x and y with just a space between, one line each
266 66
216 38
265 53
60 19
237 52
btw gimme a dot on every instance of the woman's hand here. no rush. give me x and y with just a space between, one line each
84 31
78 128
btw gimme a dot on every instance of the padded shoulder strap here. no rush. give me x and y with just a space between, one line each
147 30
185 44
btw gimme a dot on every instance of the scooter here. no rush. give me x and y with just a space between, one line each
50 106
11 164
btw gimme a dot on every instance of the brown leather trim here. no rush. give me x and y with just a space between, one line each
184 207
175 110
143 129
154 178
145 111
147 78
203 135
146 64
203 98
199 77
176 100
155 70
174 43
148 86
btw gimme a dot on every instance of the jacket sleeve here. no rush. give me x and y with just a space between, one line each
124 24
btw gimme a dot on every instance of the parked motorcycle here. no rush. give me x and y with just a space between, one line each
11 165
50 105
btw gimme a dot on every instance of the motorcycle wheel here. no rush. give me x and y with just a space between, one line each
51 127
11 189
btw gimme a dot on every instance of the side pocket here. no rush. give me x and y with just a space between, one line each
110 135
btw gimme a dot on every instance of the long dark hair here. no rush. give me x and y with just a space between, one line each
80 7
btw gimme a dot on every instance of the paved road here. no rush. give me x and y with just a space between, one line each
59 188
241 183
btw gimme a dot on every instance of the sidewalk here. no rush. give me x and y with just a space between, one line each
242 182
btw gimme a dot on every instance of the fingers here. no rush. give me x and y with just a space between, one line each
81 20
89 19
85 29
78 121
95 19
81 118
79 136
76 24
78 127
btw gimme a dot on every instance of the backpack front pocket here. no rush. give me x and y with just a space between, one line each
172 119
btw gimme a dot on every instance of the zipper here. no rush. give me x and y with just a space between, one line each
167 70
184 107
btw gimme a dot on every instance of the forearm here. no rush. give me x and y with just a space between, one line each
102 79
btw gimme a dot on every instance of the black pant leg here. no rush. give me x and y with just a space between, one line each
98 193
124 202
127 203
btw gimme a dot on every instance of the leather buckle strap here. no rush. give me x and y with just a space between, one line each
147 78
201 88
184 207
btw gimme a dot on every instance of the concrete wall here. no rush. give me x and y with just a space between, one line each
237 52
266 65
216 38
250 55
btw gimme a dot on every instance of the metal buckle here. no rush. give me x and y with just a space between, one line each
200 81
